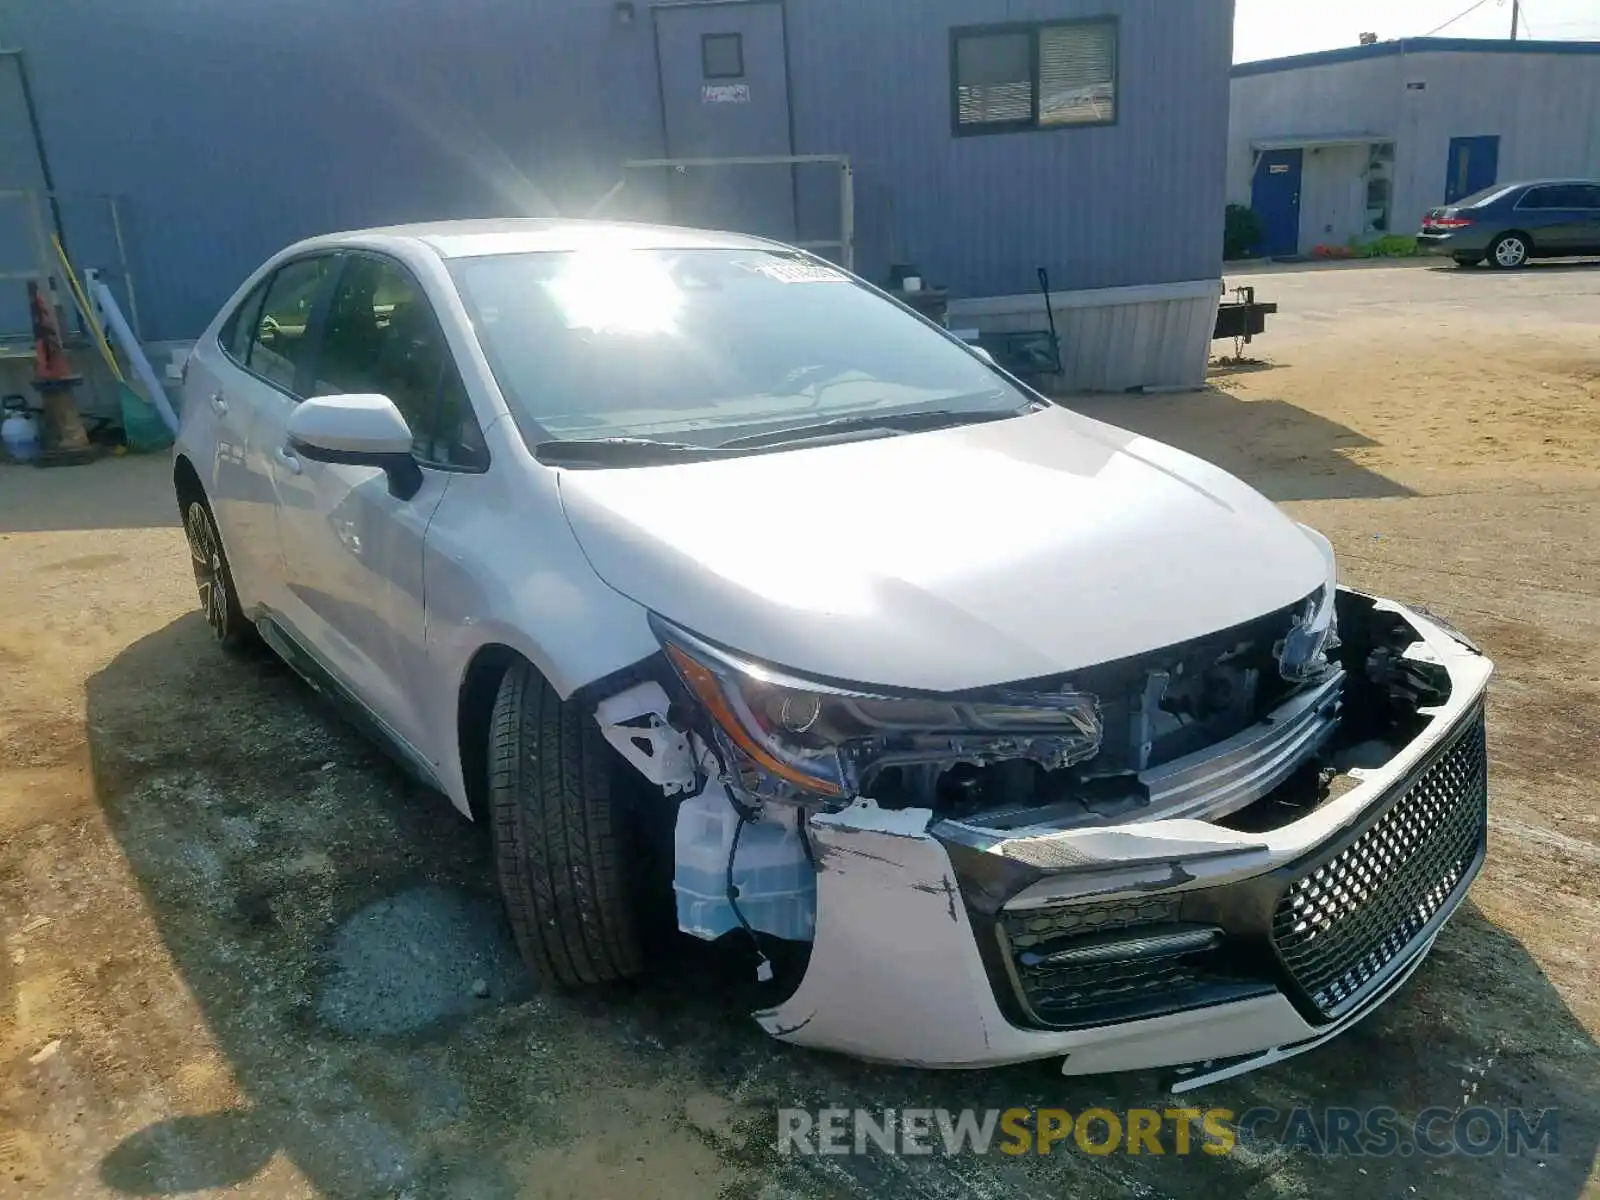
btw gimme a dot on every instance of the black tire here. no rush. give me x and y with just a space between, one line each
1501 255
557 842
1468 260
213 578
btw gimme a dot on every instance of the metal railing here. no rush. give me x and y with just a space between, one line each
845 244
22 210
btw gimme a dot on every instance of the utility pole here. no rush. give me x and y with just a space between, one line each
1516 11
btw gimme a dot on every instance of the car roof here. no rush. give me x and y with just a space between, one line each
521 235
1522 183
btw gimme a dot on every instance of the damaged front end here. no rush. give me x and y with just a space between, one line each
1222 850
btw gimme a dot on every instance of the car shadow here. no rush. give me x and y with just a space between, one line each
1537 265
1283 451
337 926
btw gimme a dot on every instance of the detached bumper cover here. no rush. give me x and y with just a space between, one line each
1319 921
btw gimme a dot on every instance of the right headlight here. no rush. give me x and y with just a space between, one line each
1303 653
789 738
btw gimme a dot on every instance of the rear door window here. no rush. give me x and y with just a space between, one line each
281 347
1554 195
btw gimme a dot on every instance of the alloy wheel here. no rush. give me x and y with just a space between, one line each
210 573
1510 252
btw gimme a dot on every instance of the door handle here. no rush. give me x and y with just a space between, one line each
289 460
218 404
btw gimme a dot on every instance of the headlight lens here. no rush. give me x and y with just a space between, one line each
767 725
1303 655
798 739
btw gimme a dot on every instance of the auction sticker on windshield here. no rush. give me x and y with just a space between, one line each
794 270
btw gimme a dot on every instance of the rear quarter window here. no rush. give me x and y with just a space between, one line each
1488 196
236 331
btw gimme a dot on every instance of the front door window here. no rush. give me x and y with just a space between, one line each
381 336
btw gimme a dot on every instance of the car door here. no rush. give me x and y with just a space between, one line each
245 382
1588 195
354 552
1553 219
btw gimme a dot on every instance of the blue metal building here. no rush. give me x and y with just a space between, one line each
985 138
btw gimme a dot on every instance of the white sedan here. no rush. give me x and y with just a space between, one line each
723 588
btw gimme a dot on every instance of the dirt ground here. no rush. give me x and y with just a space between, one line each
241 953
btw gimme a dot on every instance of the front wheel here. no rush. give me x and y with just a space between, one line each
219 600
558 841
1510 250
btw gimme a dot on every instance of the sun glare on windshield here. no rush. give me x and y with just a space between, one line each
617 292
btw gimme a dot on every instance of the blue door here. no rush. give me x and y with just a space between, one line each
725 92
1474 162
1275 195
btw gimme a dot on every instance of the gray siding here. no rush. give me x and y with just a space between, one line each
1545 108
1113 339
1136 202
234 128
1340 98
1333 200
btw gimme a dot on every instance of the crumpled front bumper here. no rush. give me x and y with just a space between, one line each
903 969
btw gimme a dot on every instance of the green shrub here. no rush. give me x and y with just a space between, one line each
1242 231
1390 245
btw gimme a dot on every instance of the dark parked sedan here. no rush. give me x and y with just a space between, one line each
1512 222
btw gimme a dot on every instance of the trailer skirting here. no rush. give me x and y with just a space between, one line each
1113 339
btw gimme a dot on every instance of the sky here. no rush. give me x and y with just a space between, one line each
1270 28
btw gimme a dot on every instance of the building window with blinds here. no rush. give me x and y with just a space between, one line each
1051 75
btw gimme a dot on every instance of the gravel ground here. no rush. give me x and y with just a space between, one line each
242 952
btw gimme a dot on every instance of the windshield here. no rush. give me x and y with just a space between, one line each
704 346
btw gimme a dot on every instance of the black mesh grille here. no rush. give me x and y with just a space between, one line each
1339 925
1321 931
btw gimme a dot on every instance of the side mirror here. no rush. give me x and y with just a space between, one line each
357 431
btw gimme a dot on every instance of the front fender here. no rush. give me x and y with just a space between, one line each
502 568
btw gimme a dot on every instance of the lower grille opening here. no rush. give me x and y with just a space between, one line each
1092 964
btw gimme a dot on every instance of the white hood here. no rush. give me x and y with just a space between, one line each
947 560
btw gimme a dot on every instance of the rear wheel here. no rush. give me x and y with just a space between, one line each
558 841
1510 250
219 600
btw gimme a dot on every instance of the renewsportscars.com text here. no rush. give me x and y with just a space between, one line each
1378 1132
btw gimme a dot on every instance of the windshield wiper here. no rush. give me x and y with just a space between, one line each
905 422
620 452
639 452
